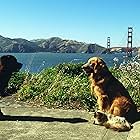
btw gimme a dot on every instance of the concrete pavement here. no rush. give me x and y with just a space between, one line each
23 122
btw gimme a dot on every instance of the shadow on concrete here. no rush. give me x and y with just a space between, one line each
41 119
136 117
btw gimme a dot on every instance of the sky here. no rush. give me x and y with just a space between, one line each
90 21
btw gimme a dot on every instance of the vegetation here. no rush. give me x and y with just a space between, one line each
129 75
66 86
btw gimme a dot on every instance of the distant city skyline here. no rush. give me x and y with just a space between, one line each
89 21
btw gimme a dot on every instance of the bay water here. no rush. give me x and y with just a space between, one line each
35 62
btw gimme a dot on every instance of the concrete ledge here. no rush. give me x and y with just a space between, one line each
24 122
41 123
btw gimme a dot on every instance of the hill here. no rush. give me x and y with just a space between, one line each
54 44
16 45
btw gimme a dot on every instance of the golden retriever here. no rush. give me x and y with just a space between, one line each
112 97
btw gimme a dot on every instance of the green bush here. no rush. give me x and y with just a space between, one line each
63 86
66 86
129 76
16 81
70 69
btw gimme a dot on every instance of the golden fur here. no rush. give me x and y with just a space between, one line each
112 97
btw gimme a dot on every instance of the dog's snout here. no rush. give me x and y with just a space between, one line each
19 65
87 69
84 66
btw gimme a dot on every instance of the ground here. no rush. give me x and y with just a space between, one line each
24 122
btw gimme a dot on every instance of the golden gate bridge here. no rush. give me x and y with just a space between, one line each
128 49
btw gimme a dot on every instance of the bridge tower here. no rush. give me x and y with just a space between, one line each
108 44
129 42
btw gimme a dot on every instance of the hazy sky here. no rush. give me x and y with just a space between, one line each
90 21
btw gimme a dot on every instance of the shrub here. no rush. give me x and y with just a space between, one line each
66 86
129 76
62 86
16 81
69 69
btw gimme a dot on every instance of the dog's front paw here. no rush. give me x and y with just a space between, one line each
92 120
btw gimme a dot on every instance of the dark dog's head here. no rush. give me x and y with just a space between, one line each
9 64
94 65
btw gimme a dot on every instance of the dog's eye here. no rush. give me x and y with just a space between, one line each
91 65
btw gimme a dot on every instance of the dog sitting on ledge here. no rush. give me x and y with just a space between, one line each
8 65
112 97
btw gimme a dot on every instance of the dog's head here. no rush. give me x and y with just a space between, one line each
9 64
94 65
100 118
